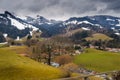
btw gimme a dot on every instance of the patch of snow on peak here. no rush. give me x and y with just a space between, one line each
84 22
30 26
113 28
17 24
22 17
2 17
40 23
49 23
118 23
98 25
71 22
101 27
87 29
108 19
21 26
74 22
92 18
80 22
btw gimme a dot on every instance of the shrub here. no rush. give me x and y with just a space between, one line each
63 59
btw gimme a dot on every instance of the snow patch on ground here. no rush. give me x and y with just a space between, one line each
31 33
18 38
49 23
5 35
113 28
117 34
85 28
108 19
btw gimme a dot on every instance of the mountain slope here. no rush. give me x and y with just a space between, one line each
16 67
98 36
14 26
98 23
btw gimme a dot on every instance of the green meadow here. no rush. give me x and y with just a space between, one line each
97 60
98 36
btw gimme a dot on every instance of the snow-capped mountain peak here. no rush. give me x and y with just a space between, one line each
15 26
18 23
41 19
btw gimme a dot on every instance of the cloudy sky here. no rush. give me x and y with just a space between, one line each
61 9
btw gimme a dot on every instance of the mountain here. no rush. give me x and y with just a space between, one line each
99 23
48 27
13 26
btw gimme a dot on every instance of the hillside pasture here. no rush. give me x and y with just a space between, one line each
16 67
98 36
100 61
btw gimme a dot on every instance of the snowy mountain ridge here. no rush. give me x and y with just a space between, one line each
14 26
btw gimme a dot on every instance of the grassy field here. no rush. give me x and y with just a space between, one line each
98 36
16 67
90 78
100 61
1 45
20 50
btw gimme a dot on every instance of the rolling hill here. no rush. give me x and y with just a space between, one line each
98 36
16 67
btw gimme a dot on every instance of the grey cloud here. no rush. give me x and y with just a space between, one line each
114 5
111 4
37 5
60 8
